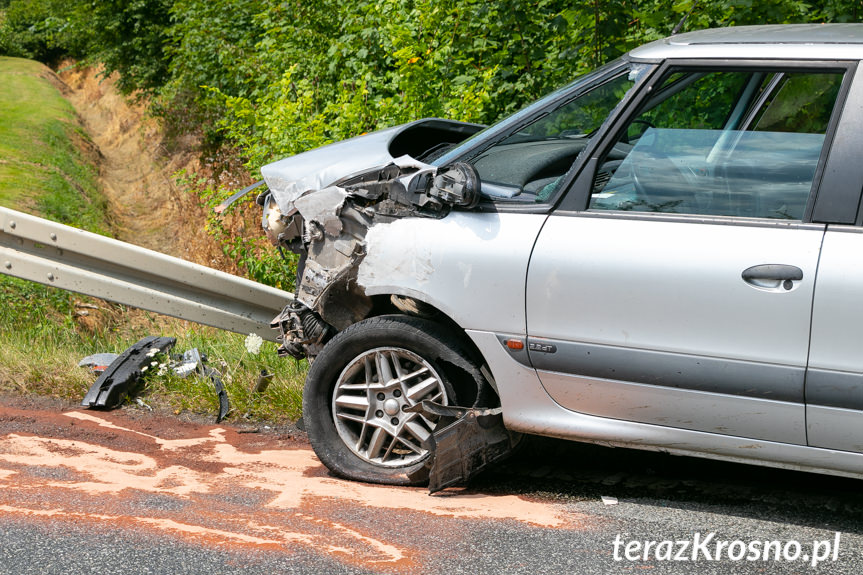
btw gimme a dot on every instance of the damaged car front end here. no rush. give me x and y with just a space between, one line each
319 206
328 227
385 402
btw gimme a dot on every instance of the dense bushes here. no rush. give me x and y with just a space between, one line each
276 77
280 76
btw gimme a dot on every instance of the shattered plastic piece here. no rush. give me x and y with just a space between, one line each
121 376
609 500
98 362
190 362
264 380
463 448
224 404
141 403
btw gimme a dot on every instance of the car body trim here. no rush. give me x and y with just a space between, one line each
694 219
834 428
795 41
664 369
838 228
838 179
831 388
528 408
679 408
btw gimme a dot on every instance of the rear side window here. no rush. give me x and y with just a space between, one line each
722 143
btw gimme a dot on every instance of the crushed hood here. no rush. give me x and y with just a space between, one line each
290 178
322 203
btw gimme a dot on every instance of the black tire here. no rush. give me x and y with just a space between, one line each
350 445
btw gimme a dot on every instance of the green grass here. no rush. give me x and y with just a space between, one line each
46 168
42 171
43 339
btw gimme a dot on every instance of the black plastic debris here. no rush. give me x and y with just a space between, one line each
224 405
121 377
466 441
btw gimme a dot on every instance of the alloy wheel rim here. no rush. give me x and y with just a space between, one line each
368 405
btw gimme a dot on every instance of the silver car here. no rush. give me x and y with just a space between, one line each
666 254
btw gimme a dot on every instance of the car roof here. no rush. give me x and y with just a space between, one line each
792 41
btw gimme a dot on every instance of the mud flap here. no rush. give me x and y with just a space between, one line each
112 386
466 441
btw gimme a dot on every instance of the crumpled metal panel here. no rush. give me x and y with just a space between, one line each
290 178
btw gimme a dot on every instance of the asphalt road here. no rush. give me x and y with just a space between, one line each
131 492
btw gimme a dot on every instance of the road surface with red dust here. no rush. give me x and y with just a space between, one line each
219 486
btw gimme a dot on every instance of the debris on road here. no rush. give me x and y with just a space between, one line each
122 375
609 500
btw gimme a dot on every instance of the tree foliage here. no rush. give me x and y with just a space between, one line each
277 77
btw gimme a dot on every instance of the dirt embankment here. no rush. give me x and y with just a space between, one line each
137 173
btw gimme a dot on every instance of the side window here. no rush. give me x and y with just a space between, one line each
529 164
722 143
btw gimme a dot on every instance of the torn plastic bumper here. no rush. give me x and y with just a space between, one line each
466 441
121 377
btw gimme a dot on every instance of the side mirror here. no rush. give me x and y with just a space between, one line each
457 184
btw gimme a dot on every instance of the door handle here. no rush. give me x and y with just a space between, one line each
772 276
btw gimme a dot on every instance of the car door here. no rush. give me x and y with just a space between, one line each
834 379
679 292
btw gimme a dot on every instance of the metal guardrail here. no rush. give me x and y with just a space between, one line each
61 256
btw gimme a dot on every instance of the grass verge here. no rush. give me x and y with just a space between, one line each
46 160
48 168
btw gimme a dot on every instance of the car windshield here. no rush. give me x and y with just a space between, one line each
524 156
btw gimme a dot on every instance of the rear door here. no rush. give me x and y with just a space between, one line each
834 381
682 294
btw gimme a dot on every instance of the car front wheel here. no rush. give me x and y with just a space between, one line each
360 385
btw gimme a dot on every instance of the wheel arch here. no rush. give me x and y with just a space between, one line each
416 305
